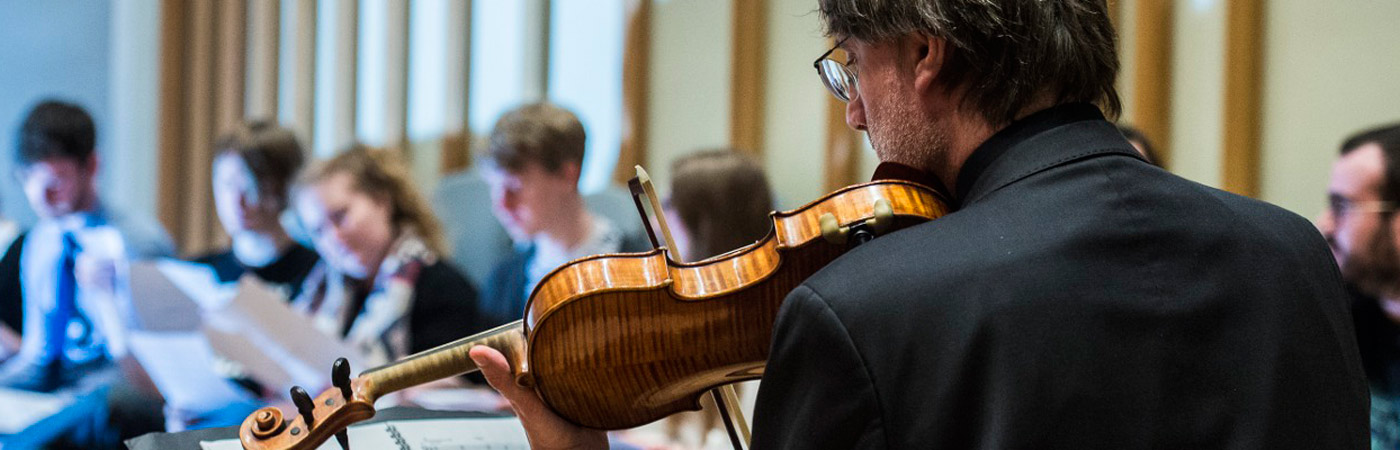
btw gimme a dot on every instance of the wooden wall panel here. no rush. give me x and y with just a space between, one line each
636 69
456 143
748 74
1243 90
203 62
1152 79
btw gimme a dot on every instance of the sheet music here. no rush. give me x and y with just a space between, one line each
181 365
159 303
276 344
503 433
25 408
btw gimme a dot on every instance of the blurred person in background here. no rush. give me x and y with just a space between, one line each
382 283
253 173
253 170
535 157
64 285
1360 225
719 201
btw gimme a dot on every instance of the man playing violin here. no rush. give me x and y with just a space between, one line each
1077 298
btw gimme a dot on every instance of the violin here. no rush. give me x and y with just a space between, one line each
616 341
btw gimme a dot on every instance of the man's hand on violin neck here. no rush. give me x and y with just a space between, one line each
545 429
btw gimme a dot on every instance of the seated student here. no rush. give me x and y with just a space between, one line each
382 283
253 171
61 282
719 202
535 156
479 240
254 168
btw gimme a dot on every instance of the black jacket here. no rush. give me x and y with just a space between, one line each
1079 298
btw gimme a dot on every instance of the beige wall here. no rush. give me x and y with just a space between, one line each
1331 68
1198 86
795 128
689 94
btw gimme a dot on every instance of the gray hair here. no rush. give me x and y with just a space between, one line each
1007 52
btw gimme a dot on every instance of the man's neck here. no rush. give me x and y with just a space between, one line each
260 248
81 218
570 228
968 130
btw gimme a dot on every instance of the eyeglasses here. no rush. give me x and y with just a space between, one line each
1340 206
838 78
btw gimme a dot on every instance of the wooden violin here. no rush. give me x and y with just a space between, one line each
616 341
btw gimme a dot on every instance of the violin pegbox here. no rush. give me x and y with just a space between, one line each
880 220
316 420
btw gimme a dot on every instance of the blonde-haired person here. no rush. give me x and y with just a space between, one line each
382 284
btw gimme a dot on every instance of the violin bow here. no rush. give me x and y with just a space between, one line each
726 397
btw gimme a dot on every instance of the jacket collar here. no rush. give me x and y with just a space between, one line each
1040 141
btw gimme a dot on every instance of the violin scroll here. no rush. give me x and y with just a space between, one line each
316 420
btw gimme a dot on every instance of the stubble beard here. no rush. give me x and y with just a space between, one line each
1377 270
905 135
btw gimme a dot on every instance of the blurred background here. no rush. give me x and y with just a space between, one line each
1253 96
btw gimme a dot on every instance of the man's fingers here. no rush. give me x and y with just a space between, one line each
497 371
546 430
494 366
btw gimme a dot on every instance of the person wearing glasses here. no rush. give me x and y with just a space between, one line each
1077 297
1360 224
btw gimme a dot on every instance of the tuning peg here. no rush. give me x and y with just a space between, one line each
304 406
340 377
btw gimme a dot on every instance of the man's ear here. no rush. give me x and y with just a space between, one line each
1394 224
90 165
929 53
571 170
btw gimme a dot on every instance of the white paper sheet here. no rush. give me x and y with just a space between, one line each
503 433
159 304
277 345
198 281
24 408
181 365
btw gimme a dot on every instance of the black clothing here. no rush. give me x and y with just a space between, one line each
11 298
444 307
289 269
1079 298
1379 339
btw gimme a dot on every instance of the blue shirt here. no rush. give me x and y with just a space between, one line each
106 243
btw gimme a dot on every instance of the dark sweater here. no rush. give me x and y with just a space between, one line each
290 269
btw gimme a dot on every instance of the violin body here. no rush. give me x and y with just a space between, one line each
617 341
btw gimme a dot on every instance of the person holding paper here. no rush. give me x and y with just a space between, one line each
382 284
253 171
63 282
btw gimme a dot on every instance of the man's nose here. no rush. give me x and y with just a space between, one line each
855 111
